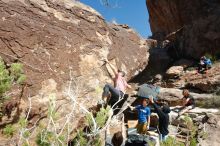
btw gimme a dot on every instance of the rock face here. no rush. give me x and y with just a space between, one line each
62 45
192 26
52 37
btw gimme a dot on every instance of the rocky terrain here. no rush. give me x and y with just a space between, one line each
59 42
63 45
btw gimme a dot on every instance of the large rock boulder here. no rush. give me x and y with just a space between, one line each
174 96
63 45
53 37
192 26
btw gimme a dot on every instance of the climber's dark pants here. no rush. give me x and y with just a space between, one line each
203 67
115 94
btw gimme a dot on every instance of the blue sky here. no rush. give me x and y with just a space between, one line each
131 12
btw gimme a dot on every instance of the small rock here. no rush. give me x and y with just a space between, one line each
212 119
174 71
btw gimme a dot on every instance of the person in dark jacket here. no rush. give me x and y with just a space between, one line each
163 114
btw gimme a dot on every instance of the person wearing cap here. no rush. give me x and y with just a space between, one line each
112 94
163 114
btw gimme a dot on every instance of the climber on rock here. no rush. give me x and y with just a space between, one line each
163 114
204 64
143 116
112 94
188 102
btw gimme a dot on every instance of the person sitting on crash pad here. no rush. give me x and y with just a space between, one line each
143 116
163 114
111 94
188 102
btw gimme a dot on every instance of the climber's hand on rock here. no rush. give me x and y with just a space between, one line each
129 86
151 99
106 60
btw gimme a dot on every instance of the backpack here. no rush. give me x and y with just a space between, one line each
137 140
208 62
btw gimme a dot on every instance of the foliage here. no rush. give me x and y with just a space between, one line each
100 118
97 141
80 139
204 135
211 103
151 143
8 76
22 122
9 130
193 128
193 142
170 141
5 78
46 138
17 73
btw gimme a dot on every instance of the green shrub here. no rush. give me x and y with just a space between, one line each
97 141
5 78
17 72
210 103
22 122
193 128
151 143
8 130
170 141
44 138
80 139
193 142
100 118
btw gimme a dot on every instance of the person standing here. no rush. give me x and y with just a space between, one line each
163 114
143 116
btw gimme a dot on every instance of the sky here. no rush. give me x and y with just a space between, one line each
131 12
